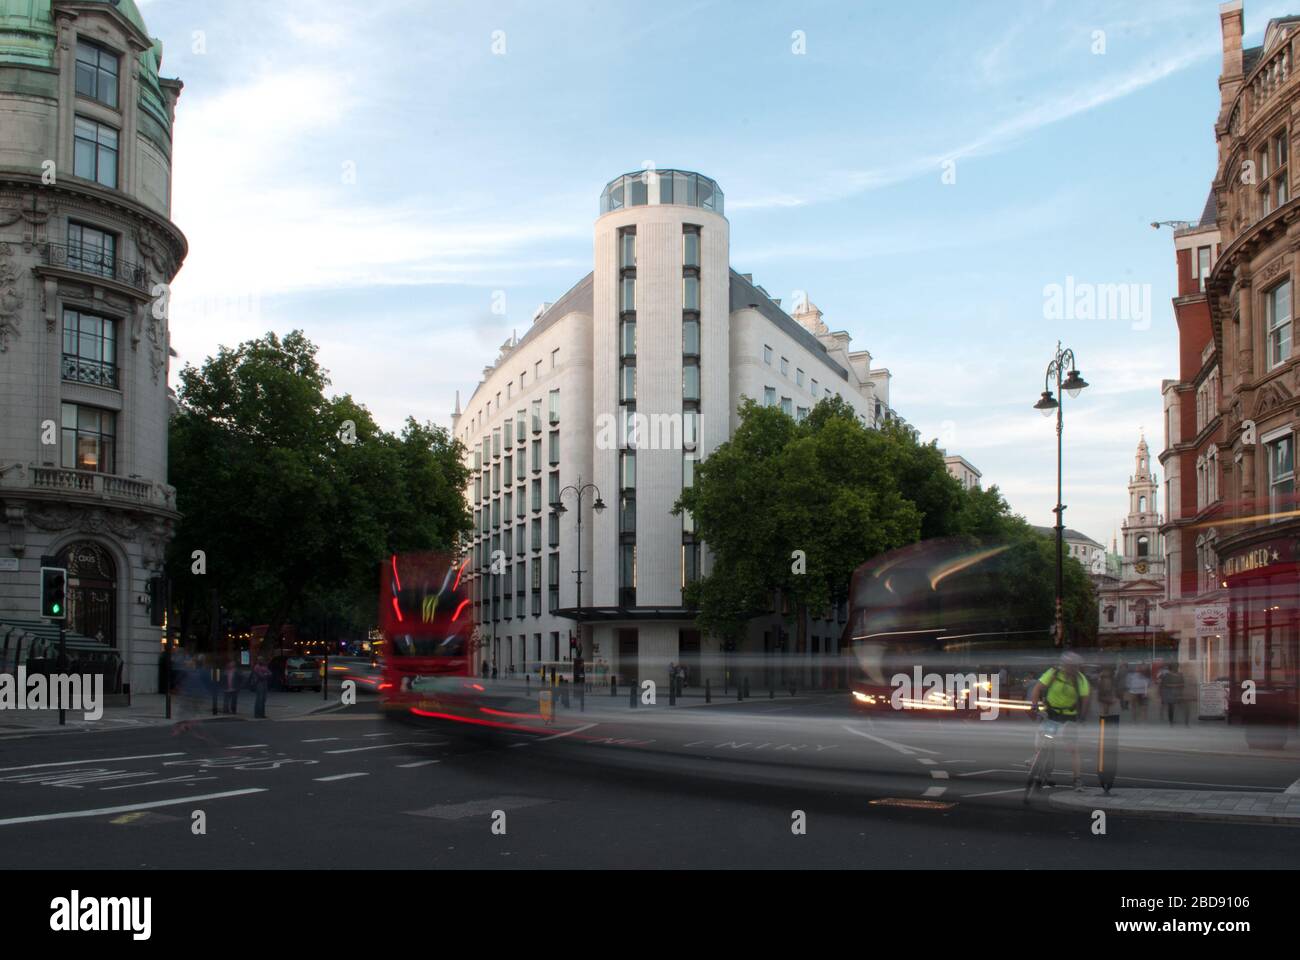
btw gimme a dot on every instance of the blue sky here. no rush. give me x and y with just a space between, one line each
374 172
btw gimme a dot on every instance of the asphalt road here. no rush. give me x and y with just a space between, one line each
710 786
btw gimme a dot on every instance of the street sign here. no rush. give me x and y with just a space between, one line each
9 564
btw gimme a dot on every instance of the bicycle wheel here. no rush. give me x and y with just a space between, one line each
1035 774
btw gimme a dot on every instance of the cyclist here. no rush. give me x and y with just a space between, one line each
1065 690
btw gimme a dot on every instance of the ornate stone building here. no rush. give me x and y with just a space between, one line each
1130 601
87 249
1247 538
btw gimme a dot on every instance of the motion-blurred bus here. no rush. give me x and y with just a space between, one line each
426 618
941 608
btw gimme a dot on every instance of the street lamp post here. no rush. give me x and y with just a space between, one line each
579 490
1071 384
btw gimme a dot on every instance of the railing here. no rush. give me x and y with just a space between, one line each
1270 78
95 372
94 261
86 483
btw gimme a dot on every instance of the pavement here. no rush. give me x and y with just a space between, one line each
150 710
1216 805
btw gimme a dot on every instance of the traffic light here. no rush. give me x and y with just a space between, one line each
54 583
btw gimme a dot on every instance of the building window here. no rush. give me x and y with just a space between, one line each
97 73
626 513
89 349
769 396
510 433
767 355
554 530
787 406
627 470
537 495
627 383
91 250
690 563
89 438
1278 314
537 455
627 339
690 246
555 447
691 293
627 249
1143 546
537 415
814 389
553 487
537 534
798 377
1201 265
627 566
627 295
1281 475
555 406
691 382
1142 504
691 336
785 367
95 152
801 414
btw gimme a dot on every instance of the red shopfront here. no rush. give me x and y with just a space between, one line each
1263 579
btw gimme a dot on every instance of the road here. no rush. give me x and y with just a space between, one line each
659 787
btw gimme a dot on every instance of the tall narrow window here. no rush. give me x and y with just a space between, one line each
691 247
1278 312
555 406
1281 476
91 250
97 73
95 152
89 349
627 339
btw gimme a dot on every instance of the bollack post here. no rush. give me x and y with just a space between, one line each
708 690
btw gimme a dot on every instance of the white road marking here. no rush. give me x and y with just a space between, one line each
319 739
1293 789
566 733
75 763
939 774
926 760
992 793
340 776
249 746
976 773
418 763
389 746
187 780
381 734
105 811
901 748
935 792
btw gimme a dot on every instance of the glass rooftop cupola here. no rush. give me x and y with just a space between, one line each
649 187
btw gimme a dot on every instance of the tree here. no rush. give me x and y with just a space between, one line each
789 510
294 497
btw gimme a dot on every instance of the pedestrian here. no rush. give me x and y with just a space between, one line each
231 687
1172 688
260 681
1138 686
485 669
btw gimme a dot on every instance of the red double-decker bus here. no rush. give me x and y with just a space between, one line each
427 618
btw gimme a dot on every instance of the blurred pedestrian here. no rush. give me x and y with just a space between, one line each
1138 687
230 686
260 681
1172 690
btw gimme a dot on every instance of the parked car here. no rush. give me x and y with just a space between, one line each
295 673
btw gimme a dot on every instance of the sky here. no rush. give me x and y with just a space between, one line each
380 174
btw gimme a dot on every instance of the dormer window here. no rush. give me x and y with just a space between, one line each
97 71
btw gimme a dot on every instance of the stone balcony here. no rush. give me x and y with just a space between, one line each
86 485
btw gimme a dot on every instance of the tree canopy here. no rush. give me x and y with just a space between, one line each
293 496
792 509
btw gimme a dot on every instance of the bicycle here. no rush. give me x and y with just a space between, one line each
1040 767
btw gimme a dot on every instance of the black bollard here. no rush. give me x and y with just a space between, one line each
747 686
672 691
631 695
708 690
739 692
613 685
564 692
528 684
771 689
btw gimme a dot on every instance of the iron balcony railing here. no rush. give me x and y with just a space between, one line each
96 372
95 261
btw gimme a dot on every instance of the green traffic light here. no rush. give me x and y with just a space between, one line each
57 608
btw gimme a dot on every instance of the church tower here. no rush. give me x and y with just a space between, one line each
1144 554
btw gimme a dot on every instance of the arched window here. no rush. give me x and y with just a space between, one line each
1142 504
1110 614
1143 546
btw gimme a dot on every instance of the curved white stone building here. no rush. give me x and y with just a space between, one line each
625 382
87 248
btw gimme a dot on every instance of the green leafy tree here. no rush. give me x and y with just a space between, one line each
294 497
